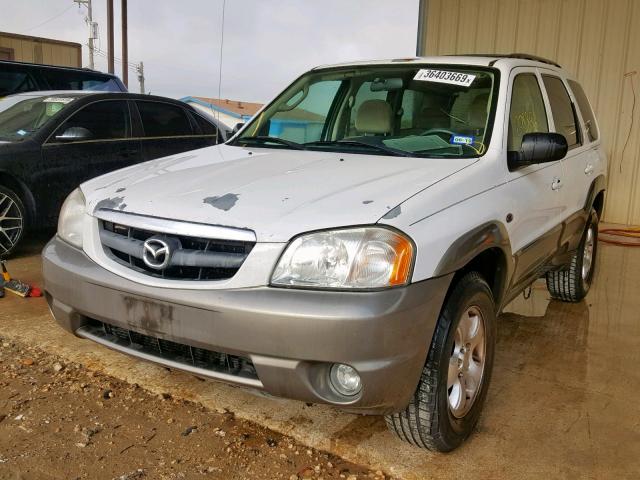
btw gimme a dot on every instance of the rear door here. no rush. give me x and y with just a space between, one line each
535 191
577 170
168 129
66 164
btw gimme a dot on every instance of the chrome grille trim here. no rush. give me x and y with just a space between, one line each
175 227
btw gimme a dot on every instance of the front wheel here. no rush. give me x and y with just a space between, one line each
454 382
12 221
572 283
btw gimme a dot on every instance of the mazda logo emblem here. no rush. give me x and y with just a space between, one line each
156 253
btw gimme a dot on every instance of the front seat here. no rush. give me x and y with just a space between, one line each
432 115
477 117
374 117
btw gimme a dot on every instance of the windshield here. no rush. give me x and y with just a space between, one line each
22 116
420 111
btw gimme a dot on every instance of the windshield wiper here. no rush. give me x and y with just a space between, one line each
361 143
267 139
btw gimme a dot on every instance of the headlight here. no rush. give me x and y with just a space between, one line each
368 257
71 218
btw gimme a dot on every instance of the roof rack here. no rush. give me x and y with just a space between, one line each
524 56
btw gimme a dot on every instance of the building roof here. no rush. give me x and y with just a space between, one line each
235 106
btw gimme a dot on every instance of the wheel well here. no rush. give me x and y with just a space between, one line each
598 203
21 190
492 265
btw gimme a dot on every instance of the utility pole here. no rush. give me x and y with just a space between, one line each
93 29
423 8
110 52
125 45
140 70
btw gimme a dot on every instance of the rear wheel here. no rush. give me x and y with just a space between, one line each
12 221
572 283
454 382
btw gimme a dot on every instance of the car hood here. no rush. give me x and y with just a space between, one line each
276 193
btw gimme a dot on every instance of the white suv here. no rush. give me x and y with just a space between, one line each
353 243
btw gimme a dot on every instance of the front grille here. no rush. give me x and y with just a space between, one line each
193 258
177 352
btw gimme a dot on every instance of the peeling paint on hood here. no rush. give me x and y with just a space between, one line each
277 193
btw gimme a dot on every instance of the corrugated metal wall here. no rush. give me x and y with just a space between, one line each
42 50
597 40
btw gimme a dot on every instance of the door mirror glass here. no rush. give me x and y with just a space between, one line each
74 134
538 147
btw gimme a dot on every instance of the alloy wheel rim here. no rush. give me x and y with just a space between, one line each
11 223
587 254
467 362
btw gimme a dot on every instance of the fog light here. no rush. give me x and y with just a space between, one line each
345 379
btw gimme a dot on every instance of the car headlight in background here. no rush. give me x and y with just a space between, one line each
71 218
354 258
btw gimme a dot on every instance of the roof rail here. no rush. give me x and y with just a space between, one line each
498 56
535 58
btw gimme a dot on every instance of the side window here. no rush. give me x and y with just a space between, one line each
105 120
563 113
163 119
206 127
305 114
585 109
527 113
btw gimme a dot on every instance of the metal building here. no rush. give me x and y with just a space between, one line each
23 48
596 40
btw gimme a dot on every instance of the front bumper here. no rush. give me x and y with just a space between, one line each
292 337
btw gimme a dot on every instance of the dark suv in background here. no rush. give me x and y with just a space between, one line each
18 77
51 142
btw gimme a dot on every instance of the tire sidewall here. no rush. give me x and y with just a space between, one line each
23 211
592 222
456 430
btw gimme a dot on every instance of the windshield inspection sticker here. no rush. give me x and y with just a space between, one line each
461 140
58 100
444 76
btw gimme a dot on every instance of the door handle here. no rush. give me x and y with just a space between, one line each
556 184
589 169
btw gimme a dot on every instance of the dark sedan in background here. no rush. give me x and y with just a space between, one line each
50 142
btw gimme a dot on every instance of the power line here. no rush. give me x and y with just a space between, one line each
50 19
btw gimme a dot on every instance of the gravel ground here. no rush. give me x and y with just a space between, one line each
63 421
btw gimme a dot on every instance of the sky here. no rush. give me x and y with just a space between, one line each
267 43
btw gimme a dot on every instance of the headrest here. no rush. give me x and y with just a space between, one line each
374 116
478 111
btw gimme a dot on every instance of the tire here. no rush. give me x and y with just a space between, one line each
12 221
435 418
572 283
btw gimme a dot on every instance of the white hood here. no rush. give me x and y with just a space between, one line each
276 193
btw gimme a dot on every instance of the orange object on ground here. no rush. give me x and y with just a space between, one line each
629 232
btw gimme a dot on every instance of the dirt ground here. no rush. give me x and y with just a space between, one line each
61 421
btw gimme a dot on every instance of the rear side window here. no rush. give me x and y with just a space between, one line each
15 82
527 113
585 109
63 80
163 120
206 128
105 120
564 115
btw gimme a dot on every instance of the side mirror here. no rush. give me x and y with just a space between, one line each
538 148
74 134
237 128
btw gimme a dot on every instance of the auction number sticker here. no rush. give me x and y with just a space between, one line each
444 76
64 100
